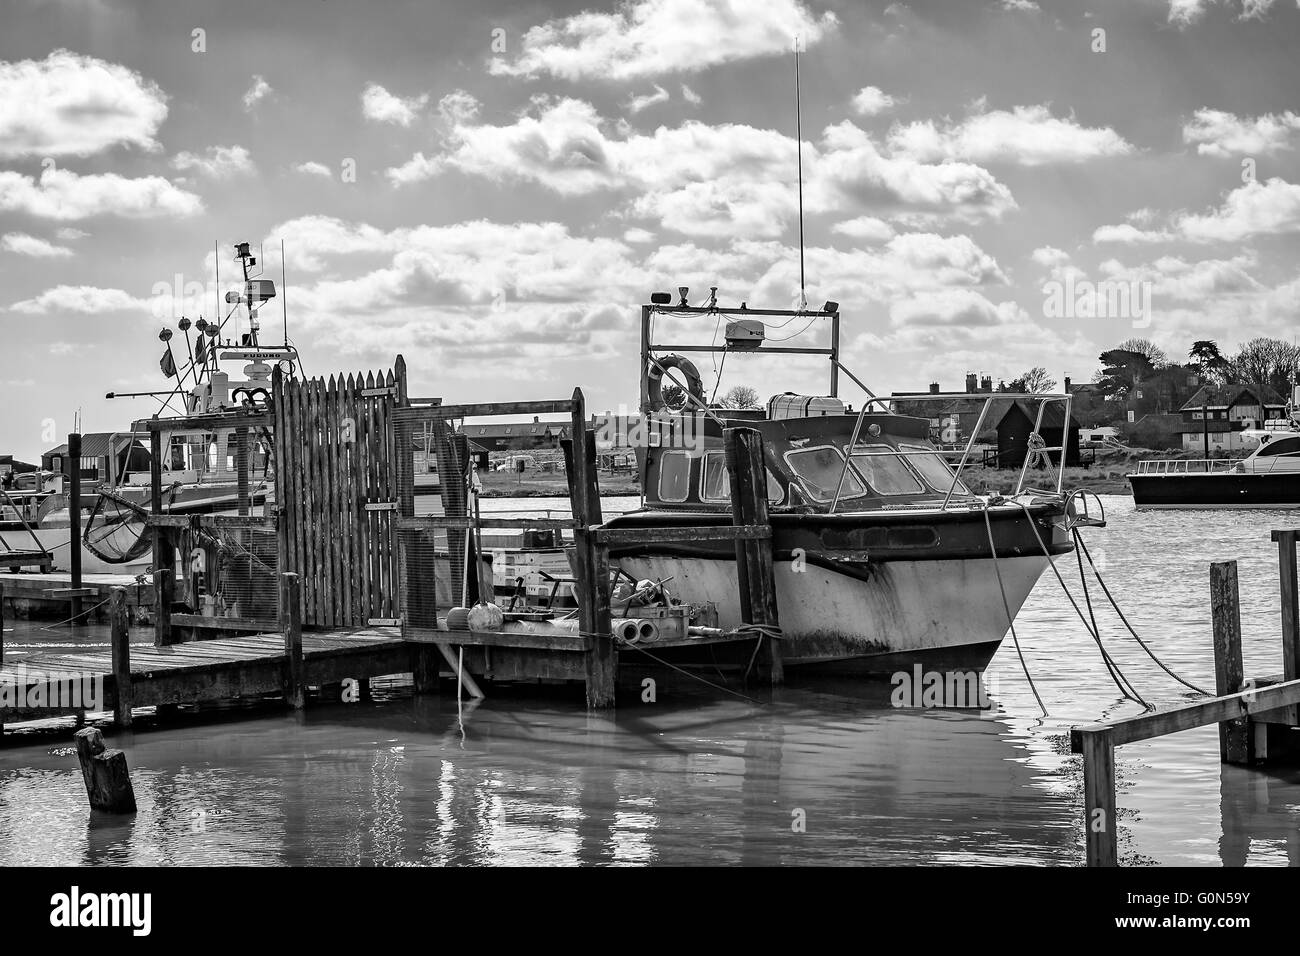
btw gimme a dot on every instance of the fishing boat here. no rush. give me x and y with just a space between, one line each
884 558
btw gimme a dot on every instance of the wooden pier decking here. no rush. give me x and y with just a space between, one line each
46 594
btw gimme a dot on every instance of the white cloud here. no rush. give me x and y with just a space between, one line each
381 106
866 228
1129 234
654 37
259 91
1022 6
81 299
872 101
69 234
690 96
637 103
458 107
218 162
73 105
1184 13
416 169
638 235
1024 136
1050 256
22 244
64 195
1254 209
312 168
1218 133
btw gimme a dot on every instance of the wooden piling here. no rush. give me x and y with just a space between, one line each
2 641
1286 563
164 571
755 566
108 781
295 684
73 461
119 619
1099 817
1225 611
592 561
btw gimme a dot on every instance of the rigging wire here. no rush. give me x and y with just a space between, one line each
1006 605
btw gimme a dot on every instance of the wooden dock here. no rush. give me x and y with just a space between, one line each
31 594
283 663
1257 718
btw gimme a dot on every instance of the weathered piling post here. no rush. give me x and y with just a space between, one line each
108 782
1099 817
2 643
119 620
1286 564
1225 612
164 571
592 561
294 681
73 465
755 566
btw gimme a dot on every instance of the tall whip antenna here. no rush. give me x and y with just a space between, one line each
284 296
798 120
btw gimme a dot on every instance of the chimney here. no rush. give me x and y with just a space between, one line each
972 383
536 420
986 383
934 388
1067 385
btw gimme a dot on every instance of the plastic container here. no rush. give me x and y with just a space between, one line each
790 405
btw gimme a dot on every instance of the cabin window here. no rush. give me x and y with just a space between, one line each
933 469
674 476
716 483
1282 446
884 470
820 468
717 480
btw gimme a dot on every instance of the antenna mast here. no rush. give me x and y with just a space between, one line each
284 296
798 119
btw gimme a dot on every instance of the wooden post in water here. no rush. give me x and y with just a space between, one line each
108 782
1286 565
295 686
73 461
164 572
1099 817
1225 611
755 566
592 561
119 619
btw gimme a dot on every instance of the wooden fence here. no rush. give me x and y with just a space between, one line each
336 484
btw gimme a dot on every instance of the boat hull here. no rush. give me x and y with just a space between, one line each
945 614
1217 490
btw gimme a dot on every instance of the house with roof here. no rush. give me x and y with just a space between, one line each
1017 423
517 436
1221 412
9 465
951 419
105 456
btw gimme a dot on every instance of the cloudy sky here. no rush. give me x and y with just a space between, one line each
491 188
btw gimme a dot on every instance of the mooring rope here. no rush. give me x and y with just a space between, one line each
1006 605
1111 668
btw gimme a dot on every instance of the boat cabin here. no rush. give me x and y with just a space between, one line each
892 463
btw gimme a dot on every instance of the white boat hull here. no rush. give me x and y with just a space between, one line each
949 612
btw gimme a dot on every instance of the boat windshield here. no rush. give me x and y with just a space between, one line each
820 468
884 470
933 469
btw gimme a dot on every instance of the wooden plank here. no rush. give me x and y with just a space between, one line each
164 576
255 418
376 608
558 639
360 489
1286 564
224 623
303 514
387 492
347 501
483 410
1226 614
756 572
1099 818
229 522
65 593
316 614
329 442
431 522
1213 710
295 685
242 465
742 532
401 462
593 565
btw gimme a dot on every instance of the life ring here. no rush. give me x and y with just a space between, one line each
655 380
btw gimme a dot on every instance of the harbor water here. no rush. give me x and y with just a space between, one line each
825 773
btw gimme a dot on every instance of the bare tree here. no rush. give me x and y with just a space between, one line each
740 396
1147 349
1265 361
1037 380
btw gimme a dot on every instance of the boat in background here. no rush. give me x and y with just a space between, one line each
1267 478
